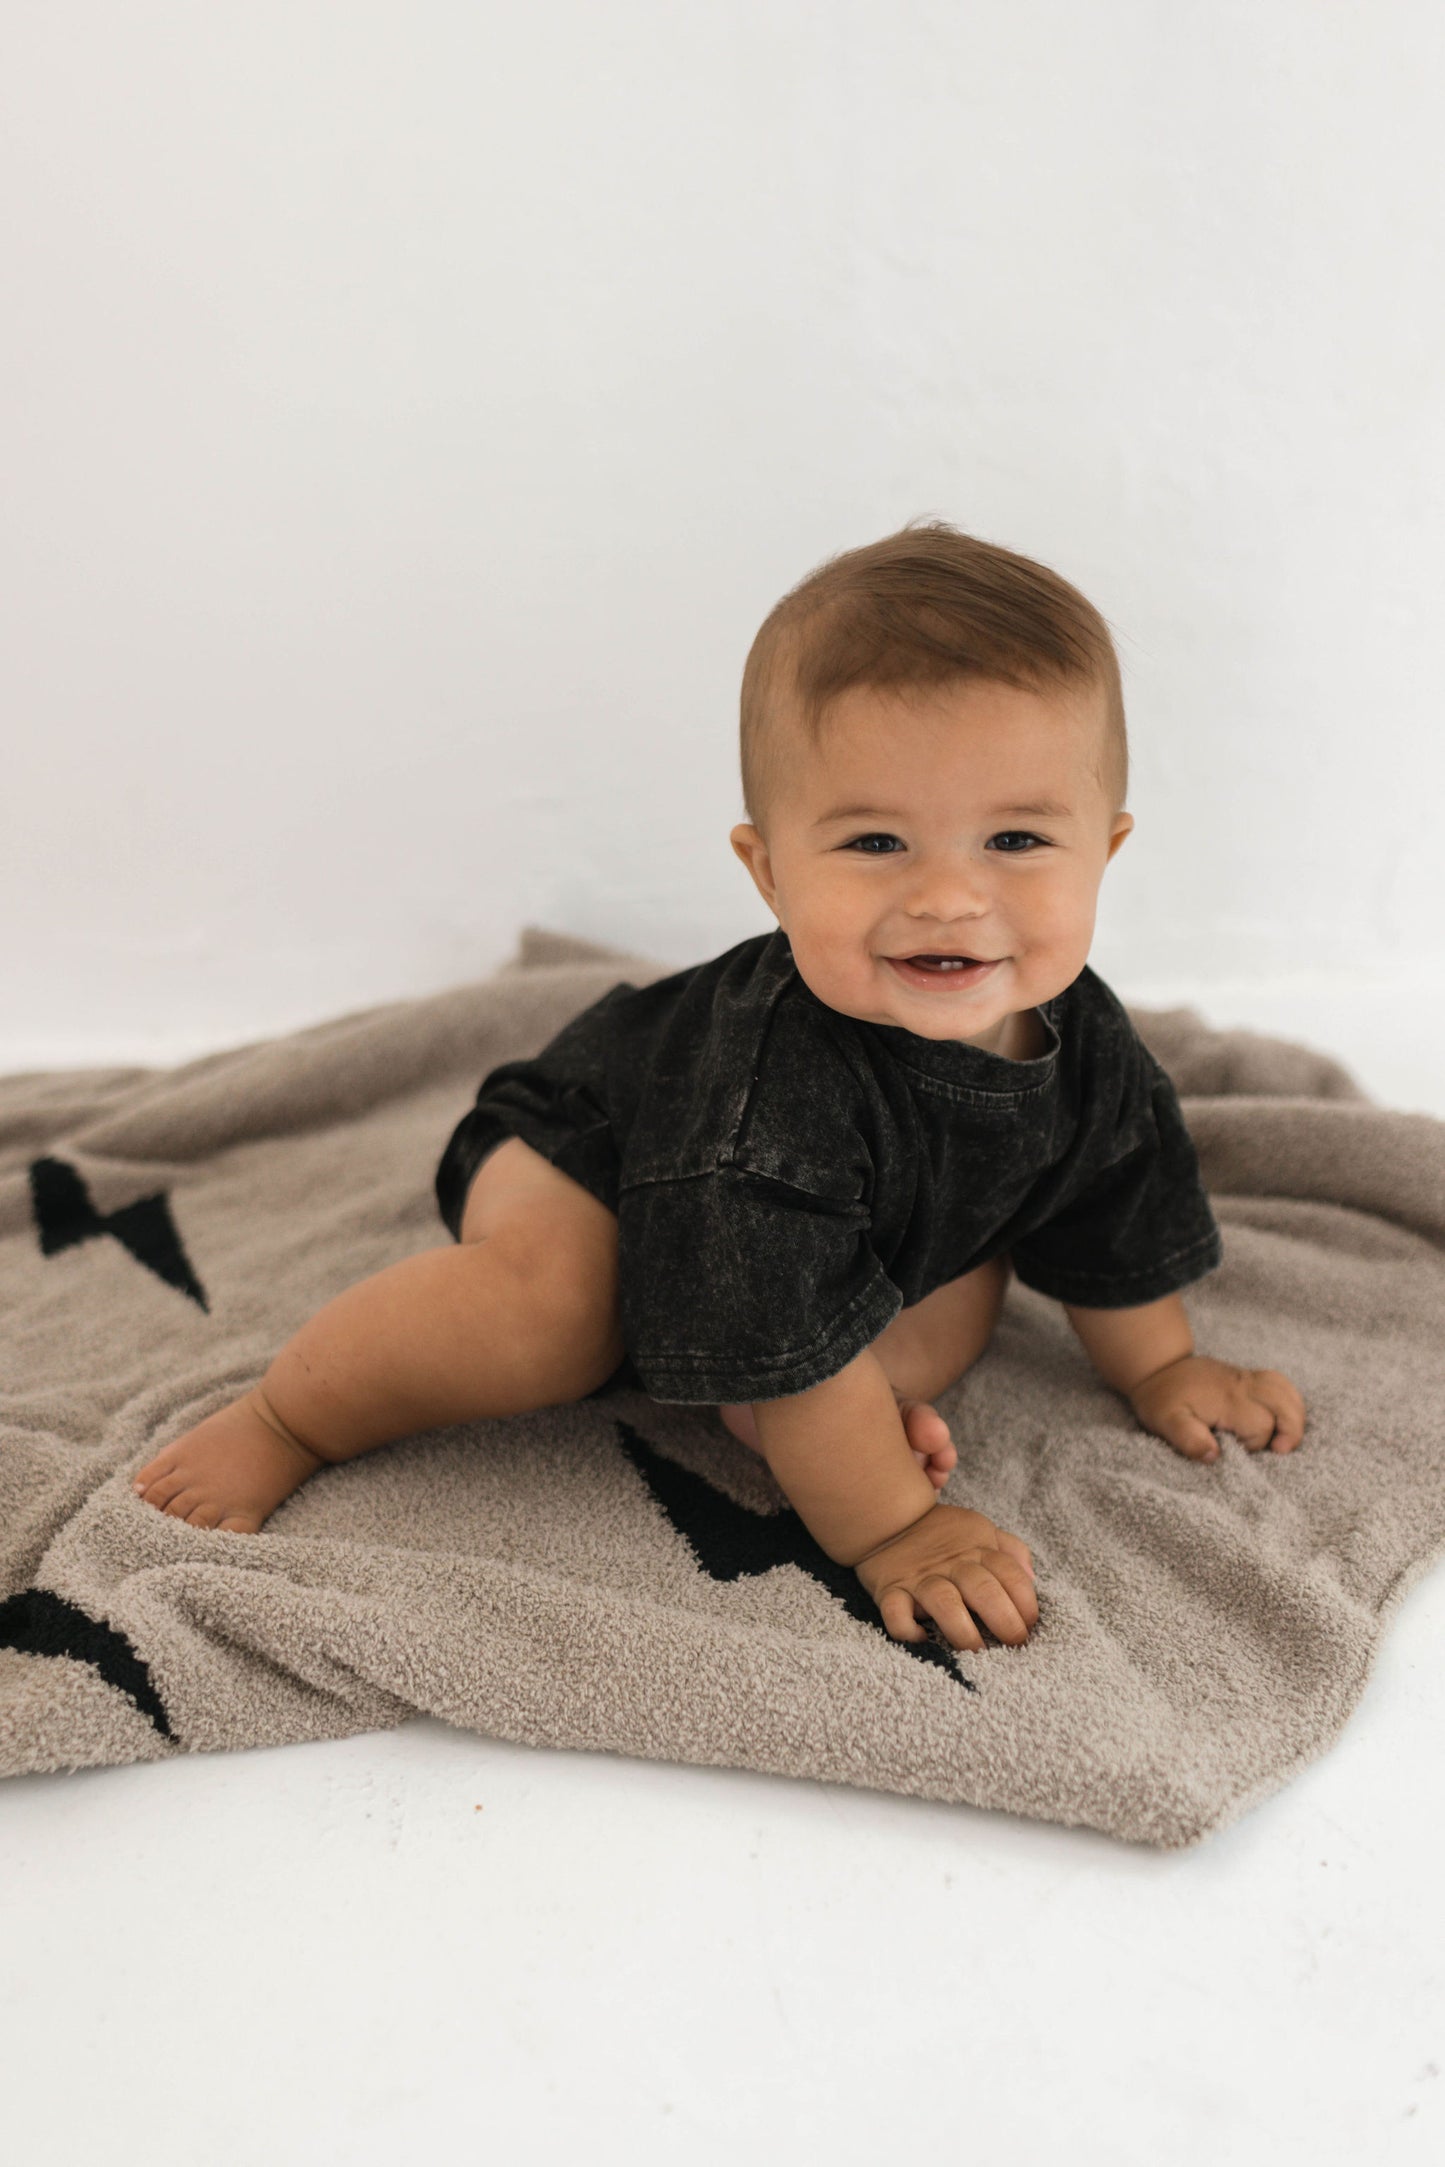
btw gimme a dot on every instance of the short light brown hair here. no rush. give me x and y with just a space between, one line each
924 607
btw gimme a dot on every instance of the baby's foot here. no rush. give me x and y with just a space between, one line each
931 1440
231 1471
927 1432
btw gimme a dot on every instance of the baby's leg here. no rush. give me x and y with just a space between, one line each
926 1348
522 1313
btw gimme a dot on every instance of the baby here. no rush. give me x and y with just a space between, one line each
792 1182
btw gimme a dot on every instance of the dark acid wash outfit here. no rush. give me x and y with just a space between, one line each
787 1178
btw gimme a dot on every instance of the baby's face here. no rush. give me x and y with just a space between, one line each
907 830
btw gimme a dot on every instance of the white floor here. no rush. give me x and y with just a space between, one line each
425 1945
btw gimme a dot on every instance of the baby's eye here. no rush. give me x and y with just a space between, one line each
857 839
1020 835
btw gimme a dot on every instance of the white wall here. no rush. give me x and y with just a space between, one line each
411 411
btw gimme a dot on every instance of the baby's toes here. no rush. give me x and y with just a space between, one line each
159 1483
938 1466
926 1428
184 1503
929 1439
205 1512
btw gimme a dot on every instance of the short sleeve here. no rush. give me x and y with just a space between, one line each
735 1287
1140 1229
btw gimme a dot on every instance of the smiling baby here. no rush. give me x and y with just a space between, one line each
791 1183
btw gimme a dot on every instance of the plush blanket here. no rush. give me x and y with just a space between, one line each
624 1576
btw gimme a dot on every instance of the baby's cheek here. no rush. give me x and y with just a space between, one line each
831 978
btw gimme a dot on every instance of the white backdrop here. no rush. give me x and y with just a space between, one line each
407 414
411 411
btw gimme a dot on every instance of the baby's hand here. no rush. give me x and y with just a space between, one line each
1186 1401
948 1563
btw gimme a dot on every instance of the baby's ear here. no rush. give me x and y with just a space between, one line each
751 848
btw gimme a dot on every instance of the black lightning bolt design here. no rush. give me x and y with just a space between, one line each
729 1540
65 1215
39 1623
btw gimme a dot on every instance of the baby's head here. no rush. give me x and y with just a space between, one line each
934 760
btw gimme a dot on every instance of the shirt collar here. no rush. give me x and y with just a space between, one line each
950 1059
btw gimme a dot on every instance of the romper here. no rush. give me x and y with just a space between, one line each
786 1178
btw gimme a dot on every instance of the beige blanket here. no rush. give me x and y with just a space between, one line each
623 1576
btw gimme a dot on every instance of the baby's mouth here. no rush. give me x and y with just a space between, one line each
960 971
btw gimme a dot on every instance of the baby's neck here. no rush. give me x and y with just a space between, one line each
1019 1037
1026 1037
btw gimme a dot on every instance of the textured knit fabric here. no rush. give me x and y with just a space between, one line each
621 1576
787 1178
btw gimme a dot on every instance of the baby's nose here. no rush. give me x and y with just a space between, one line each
946 896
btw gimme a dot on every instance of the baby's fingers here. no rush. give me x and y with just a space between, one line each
940 1599
1186 1432
1000 1593
940 1596
895 1607
1018 1582
1017 1548
1284 1403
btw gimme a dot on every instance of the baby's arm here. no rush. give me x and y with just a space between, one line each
1147 1353
841 1455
